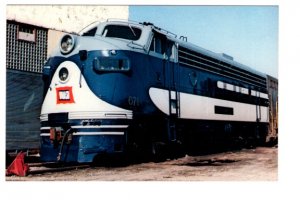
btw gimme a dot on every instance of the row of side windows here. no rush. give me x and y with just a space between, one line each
239 89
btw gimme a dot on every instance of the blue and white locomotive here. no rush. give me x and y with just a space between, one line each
120 86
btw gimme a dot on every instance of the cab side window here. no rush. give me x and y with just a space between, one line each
162 46
156 45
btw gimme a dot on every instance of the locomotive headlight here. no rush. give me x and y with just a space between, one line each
63 74
67 44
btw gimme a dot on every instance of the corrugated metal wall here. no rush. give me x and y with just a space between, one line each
24 62
23 106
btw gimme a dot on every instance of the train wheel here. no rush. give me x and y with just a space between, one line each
159 151
8 159
176 150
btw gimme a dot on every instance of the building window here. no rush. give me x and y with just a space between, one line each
26 33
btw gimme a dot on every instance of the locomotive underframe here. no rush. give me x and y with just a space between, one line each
148 136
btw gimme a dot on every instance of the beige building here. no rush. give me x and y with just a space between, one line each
58 19
64 18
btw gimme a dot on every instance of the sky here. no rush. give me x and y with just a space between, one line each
247 33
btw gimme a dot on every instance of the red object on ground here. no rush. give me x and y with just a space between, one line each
18 166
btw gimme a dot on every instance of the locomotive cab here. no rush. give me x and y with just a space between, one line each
134 35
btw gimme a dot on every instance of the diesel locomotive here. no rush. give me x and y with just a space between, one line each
122 86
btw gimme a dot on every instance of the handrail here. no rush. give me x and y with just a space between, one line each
142 23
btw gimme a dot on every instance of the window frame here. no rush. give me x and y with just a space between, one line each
134 28
28 36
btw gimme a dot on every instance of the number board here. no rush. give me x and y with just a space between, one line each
64 95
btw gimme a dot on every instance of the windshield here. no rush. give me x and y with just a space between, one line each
89 30
124 32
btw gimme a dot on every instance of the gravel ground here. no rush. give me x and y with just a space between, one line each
260 164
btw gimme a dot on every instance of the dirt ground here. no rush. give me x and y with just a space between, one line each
260 164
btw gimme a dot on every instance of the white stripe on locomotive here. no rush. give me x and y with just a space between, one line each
86 104
203 108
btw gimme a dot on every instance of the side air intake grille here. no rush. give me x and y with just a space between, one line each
198 60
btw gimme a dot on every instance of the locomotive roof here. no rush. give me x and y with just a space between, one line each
147 26
218 56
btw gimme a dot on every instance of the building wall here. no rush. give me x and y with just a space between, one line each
64 17
272 84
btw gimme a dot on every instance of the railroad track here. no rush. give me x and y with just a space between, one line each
36 167
42 168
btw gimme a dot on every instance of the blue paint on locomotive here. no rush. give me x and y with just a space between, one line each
146 71
83 148
129 89
49 153
117 87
